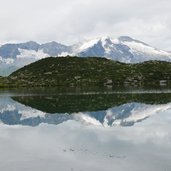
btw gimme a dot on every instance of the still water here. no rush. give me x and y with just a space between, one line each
92 131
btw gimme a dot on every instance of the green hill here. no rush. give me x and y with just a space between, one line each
4 82
75 71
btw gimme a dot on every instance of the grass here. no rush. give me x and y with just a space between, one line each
94 71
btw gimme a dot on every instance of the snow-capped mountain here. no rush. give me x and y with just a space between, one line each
15 50
123 49
15 56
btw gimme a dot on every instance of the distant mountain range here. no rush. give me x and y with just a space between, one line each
123 49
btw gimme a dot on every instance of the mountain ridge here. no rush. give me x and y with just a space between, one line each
124 49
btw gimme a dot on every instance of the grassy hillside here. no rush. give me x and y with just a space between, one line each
4 82
75 71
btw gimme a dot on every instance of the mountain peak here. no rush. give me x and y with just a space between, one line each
92 42
52 43
31 42
105 38
30 45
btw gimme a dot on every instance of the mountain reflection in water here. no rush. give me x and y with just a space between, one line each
124 109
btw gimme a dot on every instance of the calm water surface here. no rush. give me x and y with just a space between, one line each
49 130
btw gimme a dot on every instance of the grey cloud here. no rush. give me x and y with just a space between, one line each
71 21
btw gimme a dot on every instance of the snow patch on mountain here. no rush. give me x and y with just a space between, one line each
24 53
87 45
145 49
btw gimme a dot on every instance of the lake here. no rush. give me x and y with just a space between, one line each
50 129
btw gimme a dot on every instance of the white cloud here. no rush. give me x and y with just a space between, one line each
70 21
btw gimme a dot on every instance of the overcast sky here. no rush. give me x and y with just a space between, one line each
70 21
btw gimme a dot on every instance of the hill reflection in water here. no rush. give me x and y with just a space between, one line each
97 108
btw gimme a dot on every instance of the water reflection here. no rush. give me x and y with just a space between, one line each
141 142
99 109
